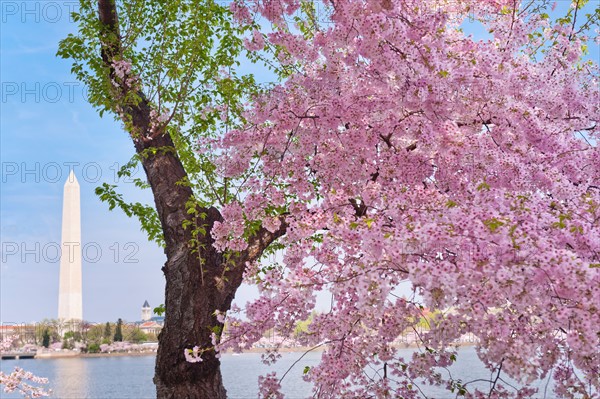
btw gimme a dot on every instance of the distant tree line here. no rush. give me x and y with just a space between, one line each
87 336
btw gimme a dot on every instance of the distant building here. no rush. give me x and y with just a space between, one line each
146 311
22 333
150 327
150 324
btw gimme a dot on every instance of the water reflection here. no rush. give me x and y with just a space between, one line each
131 376
70 378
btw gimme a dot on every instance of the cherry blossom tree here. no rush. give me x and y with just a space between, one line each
396 151
400 149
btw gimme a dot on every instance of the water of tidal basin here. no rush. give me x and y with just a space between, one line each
131 376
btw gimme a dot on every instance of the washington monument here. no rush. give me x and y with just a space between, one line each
69 294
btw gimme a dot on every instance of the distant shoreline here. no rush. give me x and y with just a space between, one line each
60 355
67 355
118 354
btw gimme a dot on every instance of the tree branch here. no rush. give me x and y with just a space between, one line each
162 165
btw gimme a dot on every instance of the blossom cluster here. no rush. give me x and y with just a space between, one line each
193 355
124 73
120 346
19 380
157 122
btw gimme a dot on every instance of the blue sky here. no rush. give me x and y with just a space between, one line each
47 127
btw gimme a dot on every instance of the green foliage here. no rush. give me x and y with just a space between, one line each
308 25
196 225
159 310
46 339
572 17
73 335
50 326
302 326
427 321
107 331
493 224
459 387
94 334
151 337
93 348
136 335
118 331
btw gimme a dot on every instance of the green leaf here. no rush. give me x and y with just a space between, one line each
159 310
451 204
493 224
483 187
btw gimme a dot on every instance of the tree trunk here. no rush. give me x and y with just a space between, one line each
197 281
189 316
190 292
174 377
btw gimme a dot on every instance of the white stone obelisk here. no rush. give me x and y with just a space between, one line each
69 294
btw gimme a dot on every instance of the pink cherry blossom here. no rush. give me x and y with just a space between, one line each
21 381
403 152
193 355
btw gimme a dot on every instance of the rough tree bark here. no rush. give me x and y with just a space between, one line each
197 283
